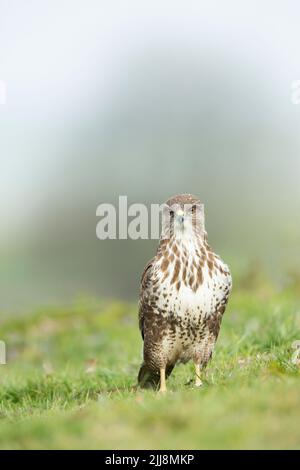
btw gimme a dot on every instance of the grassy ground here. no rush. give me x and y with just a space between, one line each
68 381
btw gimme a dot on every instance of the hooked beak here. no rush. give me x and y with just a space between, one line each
180 216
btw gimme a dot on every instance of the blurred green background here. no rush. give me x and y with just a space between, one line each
147 100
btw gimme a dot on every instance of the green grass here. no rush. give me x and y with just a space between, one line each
71 371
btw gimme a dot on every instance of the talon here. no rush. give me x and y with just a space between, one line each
198 381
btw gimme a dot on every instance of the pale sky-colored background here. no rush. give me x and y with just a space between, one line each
146 99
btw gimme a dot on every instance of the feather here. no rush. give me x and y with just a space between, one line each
149 378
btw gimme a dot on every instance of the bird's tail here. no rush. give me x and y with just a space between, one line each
149 378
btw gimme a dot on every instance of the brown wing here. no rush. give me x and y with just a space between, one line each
214 321
148 376
144 293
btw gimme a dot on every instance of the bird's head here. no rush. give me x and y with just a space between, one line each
183 217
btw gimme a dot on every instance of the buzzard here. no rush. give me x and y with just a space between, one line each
183 296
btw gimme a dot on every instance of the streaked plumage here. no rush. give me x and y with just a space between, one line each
183 295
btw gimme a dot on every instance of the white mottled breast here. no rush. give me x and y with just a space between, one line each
203 302
192 298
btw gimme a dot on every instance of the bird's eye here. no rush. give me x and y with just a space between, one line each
194 208
172 213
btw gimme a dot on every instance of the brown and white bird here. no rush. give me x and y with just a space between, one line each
183 296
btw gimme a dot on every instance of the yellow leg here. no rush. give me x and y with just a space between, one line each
163 387
198 381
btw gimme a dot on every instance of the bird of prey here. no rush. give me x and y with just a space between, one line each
183 295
